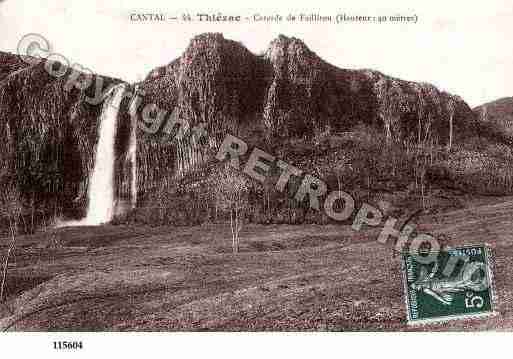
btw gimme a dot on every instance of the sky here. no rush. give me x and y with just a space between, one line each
463 47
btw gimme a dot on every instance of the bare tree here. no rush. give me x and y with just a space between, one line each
11 210
339 170
232 195
484 113
450 109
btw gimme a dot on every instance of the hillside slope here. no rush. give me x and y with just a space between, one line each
305 277
498 115
381 133
359 128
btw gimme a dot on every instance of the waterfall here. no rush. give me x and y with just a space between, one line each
132 157
100 194
102 204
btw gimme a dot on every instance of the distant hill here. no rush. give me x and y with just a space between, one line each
499 114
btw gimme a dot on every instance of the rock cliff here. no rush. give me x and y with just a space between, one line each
286 99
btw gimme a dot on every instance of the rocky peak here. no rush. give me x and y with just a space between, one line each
285 45
291 55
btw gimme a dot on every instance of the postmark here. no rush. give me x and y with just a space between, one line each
457 284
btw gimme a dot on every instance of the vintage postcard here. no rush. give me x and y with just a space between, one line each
269 167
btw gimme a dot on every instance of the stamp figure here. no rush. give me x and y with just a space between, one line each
457 285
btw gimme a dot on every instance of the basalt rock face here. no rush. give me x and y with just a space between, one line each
307 95
216 87
50 132
290 92
216 84
380 132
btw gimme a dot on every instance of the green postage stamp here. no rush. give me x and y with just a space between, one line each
456 284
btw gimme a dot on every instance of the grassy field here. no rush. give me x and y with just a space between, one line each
306 277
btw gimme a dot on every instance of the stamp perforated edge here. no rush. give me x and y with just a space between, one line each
440 320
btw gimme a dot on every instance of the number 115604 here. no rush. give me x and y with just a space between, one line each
63 345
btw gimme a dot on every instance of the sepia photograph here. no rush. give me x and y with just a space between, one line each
306 168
